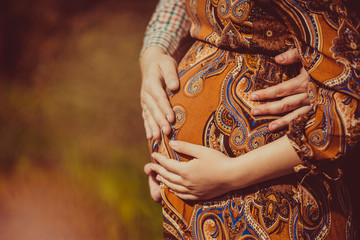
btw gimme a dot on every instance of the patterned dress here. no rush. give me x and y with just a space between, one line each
233 57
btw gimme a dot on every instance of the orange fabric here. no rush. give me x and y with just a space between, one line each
234 57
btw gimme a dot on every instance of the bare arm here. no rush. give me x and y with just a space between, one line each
327 133
212 173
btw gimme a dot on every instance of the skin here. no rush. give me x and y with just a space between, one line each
159 70
294 98
211 173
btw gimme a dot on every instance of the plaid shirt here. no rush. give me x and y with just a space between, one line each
168 25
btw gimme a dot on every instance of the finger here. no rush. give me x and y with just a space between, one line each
158 178
190 149
155 116
152 125
154 177
148 169
289 57
169 72
186 196
155 89
282 106
170 165
298 84
167 176
174 186
154 187
285 120
147 127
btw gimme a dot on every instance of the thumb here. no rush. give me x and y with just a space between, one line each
288 57
168 69
149 168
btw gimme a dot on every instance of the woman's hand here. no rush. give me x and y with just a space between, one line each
154 184
294 93
158 69
212 173
204 177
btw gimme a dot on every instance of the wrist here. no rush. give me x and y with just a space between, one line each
152 54
152 51
236 174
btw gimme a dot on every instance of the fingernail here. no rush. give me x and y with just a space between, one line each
280 58
163 129
148 135
153 133
172 85
255 112
274 127
168 117
254 97
173 143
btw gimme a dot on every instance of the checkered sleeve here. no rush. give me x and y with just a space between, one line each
168 25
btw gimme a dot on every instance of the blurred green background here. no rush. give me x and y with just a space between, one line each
72 143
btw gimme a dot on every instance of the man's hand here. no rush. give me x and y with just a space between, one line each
158 70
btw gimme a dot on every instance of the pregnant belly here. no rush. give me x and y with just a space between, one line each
213 105
212 108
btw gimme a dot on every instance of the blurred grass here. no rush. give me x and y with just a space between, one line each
71 137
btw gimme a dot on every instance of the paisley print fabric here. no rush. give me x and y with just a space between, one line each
233 57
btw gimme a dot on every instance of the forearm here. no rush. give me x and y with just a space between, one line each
211 173
270 161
